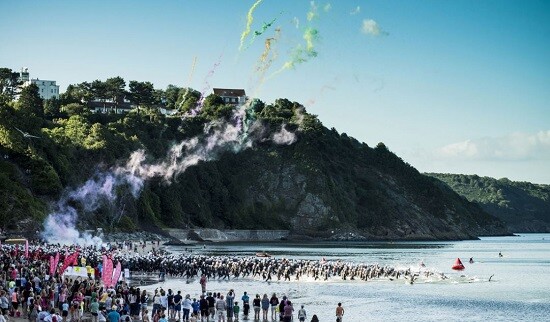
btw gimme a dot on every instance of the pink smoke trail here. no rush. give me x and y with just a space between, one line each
207 85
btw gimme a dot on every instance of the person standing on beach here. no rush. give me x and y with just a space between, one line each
203 283
302 316
287 312
246 306
339 312
236 310
274 301
229 299
211 305
203 305
220 309
177 305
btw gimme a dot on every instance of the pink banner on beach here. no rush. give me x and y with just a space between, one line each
26 249
116 274
68 261
56 261
107 275
52 267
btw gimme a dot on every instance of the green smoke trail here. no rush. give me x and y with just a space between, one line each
249 20
311 35
265 26
302 53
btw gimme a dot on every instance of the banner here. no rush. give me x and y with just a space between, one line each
116 274
107 274
52 265
55 262
79 272
68 261
26 248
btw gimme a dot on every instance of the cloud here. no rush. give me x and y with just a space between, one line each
515 146
355 11
371 27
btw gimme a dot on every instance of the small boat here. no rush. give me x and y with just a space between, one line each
458 266
263 254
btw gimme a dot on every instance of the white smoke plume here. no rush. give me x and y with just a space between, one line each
217 137
284 137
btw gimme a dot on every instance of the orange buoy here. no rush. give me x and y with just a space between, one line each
458 265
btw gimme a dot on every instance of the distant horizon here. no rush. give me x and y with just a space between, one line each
450 87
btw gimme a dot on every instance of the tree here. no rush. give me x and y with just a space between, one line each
30 101
79 93
159 97
188 99
115 89
142 93
213 100
52 108
75 109
171 94
9 81
99 89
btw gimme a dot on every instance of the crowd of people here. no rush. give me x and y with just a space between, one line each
30 291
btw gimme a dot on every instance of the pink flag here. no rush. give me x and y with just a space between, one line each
52 267
26 248
107 275
116 274
68 261
56 261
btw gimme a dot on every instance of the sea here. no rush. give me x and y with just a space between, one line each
514 287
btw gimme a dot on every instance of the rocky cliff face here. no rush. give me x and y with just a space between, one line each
364 194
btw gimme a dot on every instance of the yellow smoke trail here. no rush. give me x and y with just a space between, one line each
188 82
248 23
266 59
312 14
192 71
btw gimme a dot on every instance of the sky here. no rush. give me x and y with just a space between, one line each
449 86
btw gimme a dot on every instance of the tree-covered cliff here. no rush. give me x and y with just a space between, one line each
324 183
523 206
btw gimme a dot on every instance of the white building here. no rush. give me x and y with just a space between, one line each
46 88
24 75
231 96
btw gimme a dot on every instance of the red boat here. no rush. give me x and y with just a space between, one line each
458 265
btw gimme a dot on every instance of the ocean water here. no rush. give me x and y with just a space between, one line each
519 289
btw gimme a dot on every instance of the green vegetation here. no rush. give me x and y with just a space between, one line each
524 206
323 182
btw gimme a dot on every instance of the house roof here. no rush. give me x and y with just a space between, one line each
234 92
